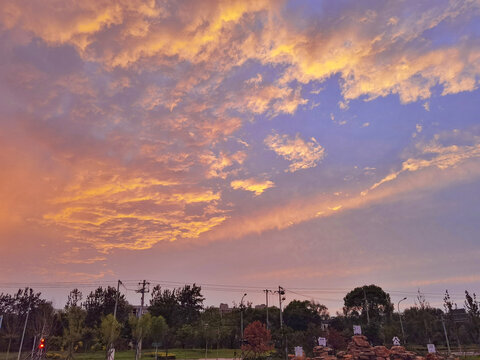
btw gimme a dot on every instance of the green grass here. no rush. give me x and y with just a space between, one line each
130 354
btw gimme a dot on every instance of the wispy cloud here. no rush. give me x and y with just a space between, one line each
450 164
465 279
302 154
434 155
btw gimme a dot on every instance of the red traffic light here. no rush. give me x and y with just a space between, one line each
42 343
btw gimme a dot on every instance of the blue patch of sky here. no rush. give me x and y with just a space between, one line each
454 111
449 33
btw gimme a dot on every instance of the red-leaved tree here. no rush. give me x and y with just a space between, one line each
257 340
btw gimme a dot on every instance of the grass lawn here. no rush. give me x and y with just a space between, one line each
130 354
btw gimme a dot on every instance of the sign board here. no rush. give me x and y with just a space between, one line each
431 348
156 344
357 330
1 320
298 351
322 341
396 341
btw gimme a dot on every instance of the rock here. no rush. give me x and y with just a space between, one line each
360 341
381 351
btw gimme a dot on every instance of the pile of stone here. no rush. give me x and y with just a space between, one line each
400 353
381 352
359 349
323 353
436 357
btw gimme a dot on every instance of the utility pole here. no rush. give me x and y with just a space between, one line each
446 336
33 346
23 334
266 291
111 349
144 289
366 305
281 292
116 299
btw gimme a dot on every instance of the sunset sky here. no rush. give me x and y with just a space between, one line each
317 145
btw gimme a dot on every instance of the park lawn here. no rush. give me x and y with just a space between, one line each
130 354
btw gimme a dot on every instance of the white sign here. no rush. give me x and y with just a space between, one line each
431 348
357 330
396 341
298 351
322 341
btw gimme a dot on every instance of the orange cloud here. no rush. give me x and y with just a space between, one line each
130 147
258 187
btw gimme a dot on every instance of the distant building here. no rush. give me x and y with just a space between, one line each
224 309
459 315
136 310
261 306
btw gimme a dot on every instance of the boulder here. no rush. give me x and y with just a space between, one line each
360 341
381 351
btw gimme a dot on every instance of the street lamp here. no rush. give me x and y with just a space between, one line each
400 316
241 321
206 340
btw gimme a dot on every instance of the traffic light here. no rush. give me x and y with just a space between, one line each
41 346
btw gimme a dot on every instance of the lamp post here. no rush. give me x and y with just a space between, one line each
400 316
241 323
206 341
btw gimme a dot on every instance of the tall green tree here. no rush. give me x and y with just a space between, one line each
101 302
164 303
110 329
186 335
158 330
368 296
74 330
299 314
473 309
422 322
74 298
178 306
141 327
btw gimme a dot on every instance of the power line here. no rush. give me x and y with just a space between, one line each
128 284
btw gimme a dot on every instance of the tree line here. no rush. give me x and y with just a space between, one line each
178 318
